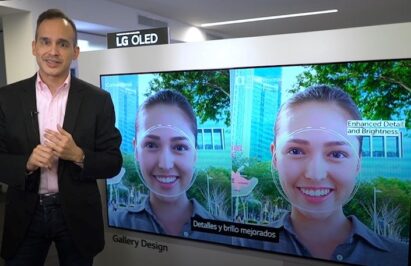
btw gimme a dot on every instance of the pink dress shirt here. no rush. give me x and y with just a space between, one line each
51 110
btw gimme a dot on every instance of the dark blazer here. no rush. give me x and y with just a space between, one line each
90 119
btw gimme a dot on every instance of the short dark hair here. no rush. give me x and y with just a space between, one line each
53 14
174 98
325 94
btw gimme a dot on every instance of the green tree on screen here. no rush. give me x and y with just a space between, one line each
381 89
393 193
131 177
212 188
208 91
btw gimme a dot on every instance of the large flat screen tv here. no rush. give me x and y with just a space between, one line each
304 160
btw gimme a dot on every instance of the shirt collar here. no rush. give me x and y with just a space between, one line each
198 209
361 230
42 86
285 222
358 229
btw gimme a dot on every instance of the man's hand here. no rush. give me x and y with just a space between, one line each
42 156
63 145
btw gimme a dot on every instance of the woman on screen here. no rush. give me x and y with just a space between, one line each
315 167
166 155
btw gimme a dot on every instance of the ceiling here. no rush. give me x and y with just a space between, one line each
351 13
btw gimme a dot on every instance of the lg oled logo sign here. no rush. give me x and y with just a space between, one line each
138 38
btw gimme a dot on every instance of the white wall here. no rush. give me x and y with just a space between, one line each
17 30
366 43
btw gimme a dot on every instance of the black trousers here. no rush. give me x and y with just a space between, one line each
48 225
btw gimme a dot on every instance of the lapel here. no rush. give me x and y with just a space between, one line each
74 99
73 105
29 111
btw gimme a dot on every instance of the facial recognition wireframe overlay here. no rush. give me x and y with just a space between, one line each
316 152
169 156
265 153
165 145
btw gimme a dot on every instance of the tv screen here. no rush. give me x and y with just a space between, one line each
307 160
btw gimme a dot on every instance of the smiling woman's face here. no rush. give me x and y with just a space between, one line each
165 150
317 162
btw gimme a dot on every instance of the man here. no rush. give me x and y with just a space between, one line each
57 137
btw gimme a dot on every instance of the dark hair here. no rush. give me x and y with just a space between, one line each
171 97
326 94
53 14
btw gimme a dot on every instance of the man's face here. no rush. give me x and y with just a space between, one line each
54 49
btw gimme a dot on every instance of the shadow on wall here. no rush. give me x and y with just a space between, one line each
2 61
